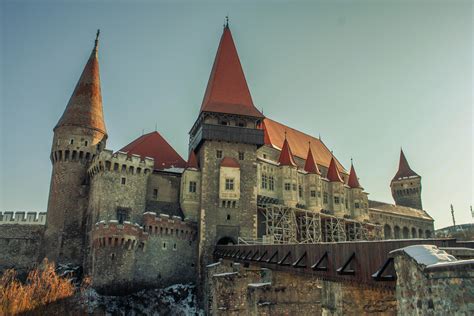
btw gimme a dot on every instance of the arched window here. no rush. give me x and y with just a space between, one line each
420 233
413 232
387 231
406 233
396 232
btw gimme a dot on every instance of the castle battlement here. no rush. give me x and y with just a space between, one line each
164 225
119 161
22 218
114 234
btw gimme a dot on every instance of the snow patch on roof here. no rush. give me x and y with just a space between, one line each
225 274
427 254
256 285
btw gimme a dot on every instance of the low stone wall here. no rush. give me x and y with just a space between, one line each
20 246
235 290
433 282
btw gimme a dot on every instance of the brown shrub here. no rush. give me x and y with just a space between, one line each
42 286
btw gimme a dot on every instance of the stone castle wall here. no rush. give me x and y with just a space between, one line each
445 287
20 246
236 290
128 256
402 227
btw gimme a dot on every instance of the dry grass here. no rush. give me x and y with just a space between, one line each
42 286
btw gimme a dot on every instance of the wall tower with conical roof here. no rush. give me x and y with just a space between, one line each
79 136
225 139
406 185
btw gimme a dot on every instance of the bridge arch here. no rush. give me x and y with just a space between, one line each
396 232
387 231
406 232
226 241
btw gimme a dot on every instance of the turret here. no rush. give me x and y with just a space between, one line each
313 182
289 175
225 139
79 136
358 198
406 185
191 188
336 189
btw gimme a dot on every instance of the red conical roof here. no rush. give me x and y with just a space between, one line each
192 161
286 157
84 108
153 145
310 165
227 90
404 170
333 174
353 181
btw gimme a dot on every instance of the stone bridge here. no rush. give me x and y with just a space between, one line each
328 278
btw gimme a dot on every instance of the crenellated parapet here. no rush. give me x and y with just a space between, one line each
120 162
22 218
164 225
114 234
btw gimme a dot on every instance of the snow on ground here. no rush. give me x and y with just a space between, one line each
178 299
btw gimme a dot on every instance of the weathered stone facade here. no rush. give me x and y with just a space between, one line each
444 286
236 290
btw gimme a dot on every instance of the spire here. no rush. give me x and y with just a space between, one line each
84 108
227 90
286 157
333 174
404 170
310 166
192 161
353 181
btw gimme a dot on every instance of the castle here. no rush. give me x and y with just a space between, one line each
142 216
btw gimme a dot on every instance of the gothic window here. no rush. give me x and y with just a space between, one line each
336 200
174 247
155 194
71 141
234 204
122 215
271 183
300 191
218 154
164 245
287 186
241 155
325 198
192 186
86 143
228 217
123 180
264 156
356 205
229 184
313 193
264 181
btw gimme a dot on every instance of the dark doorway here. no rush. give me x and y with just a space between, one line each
226 241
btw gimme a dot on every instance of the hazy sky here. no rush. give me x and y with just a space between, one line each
369 76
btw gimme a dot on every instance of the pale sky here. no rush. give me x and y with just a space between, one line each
369 76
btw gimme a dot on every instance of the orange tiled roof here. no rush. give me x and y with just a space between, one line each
153 145
333 174
227 90
230 162
84 108
274 136
404 170
353 182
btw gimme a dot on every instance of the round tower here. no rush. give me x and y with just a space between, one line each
79 135
406 185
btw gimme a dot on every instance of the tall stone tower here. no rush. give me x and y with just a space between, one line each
225 138
406 185
79 135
